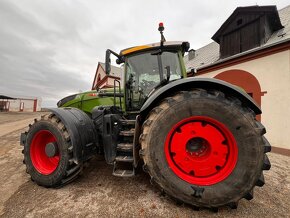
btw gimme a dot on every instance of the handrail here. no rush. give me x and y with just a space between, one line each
120 98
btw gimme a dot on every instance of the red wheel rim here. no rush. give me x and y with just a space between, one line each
201 150
43 163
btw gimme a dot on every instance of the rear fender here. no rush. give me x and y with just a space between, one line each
205 83
81 130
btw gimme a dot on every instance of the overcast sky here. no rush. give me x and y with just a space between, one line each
50 49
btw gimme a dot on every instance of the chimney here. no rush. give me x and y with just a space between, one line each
191 54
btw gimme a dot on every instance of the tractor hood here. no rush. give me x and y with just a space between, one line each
72 99
86 101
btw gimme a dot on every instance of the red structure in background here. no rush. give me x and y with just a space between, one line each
245 80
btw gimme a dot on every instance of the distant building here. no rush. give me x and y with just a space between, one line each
19 104
102 80
252 50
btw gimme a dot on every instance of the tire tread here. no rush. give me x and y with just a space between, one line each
197 93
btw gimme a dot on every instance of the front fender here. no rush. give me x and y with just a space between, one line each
205 83
81 130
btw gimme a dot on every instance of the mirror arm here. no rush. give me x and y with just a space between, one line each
114 53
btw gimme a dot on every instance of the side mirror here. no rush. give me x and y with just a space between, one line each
108 62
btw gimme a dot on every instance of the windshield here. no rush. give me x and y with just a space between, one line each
146 71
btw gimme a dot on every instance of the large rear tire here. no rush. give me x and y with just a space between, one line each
205 149
48 153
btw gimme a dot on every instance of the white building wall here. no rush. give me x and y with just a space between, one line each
28 105
39 102
111 81
273 74
14 105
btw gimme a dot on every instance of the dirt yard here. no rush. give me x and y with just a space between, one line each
99 194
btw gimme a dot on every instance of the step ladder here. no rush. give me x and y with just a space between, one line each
124 161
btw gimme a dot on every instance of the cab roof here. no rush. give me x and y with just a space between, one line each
178 45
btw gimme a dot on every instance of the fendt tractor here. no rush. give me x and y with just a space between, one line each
197 138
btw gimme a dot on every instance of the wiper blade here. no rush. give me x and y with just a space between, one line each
167 73
164 81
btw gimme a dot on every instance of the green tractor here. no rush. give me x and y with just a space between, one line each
197 138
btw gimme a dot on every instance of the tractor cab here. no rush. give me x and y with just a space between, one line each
149 67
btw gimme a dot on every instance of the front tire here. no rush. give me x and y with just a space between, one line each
48 153
204 148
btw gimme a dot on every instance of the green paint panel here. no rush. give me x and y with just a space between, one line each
86 101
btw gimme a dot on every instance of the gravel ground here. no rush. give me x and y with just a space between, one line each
6 117
98 193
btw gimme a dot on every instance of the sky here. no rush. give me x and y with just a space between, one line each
50 48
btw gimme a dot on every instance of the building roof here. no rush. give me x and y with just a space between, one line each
12 96
115 71
210 54
5 97
203 56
